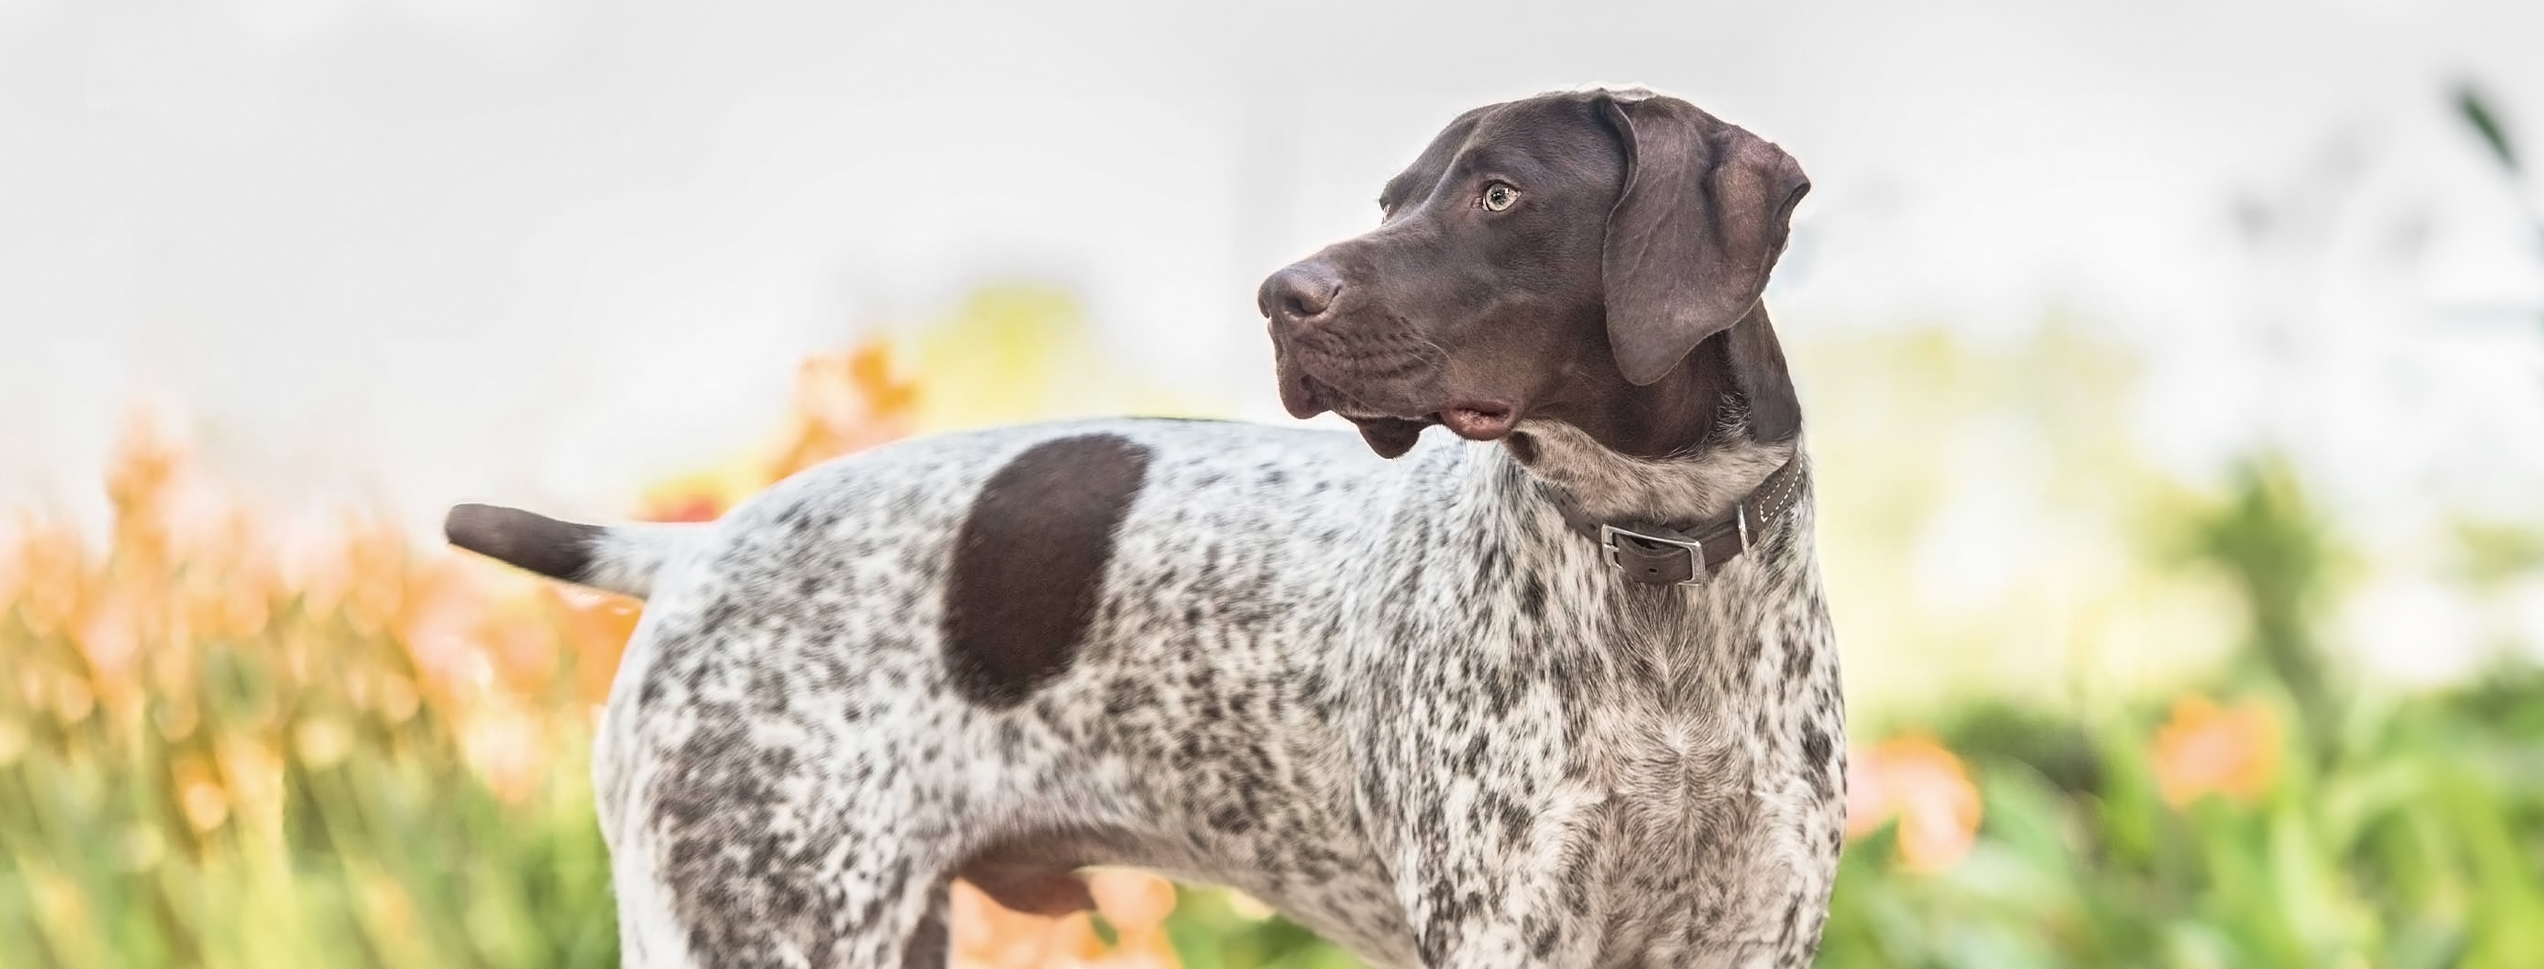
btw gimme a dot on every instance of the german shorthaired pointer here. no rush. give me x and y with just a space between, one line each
1555 690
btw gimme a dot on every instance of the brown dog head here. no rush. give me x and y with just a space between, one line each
1594 258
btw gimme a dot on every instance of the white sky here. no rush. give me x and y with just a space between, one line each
413 251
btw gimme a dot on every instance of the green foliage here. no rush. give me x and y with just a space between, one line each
2279 557
375 846
2413 836
1210 934
2478 114
386 858
2423 847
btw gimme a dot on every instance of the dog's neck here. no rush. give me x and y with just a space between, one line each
1682 449
1734 386
1698 485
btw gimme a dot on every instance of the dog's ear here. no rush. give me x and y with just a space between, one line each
1703 217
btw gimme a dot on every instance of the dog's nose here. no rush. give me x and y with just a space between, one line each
1300 294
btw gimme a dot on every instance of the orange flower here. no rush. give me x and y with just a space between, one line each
141 482
2205 749
844 402
1132 900
1917 781
987 936
688 503
596 628
46 575
1137 904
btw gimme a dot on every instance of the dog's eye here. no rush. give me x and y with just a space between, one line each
1498 196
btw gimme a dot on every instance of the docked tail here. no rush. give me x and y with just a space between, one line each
620 559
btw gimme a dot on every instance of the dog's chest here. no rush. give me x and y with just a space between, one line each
1677 774
1718 810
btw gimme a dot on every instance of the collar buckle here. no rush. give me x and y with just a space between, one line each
1654 559
1672 558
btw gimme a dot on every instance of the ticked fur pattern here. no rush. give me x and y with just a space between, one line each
1397 700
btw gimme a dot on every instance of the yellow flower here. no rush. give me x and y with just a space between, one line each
2205 749
1917 781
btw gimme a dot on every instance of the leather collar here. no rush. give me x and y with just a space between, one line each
1665 554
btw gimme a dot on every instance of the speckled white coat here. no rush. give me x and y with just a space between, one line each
1397 700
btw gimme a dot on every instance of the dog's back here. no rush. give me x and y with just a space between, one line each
919 634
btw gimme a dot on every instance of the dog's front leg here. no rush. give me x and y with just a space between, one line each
1491 832
1500 876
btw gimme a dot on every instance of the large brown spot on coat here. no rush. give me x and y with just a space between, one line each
1029 563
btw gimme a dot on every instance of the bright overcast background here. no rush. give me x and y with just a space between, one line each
407 251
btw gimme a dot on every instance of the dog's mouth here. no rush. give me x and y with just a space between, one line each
1479 420
1472 420
1390 437
1389 431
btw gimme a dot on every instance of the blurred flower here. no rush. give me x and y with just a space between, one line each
504 745
110 633
224 583
322 742
382 584
596 628
698 500
1137 903
1132 899
140 485
986 936
844 402
200 799
2205 749
204 804
47 576
1917 781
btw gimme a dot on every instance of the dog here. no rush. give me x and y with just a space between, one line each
1556 688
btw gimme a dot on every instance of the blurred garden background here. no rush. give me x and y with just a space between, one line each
2175 375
